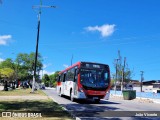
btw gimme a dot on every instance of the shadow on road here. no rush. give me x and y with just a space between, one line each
88 110
83 101
108 102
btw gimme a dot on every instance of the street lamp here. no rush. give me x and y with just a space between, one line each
37 41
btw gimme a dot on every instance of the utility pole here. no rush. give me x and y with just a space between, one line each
115 87
37 41
123 73
142 78
120 67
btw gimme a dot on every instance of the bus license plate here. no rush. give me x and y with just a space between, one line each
95 98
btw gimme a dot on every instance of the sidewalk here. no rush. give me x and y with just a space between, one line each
156 101
139 99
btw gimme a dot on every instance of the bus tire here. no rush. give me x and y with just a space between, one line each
71 96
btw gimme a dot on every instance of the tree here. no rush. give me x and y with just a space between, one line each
8 63
7 75
7 72
46 80
20 69
53 78
25 65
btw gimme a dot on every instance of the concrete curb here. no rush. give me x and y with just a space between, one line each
77 118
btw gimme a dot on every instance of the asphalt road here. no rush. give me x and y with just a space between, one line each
114 108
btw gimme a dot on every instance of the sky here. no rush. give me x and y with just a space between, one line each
87 30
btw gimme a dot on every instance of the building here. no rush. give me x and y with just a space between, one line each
147 86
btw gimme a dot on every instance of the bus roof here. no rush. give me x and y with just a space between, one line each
76 64
79 63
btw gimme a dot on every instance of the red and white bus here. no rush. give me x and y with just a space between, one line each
85 80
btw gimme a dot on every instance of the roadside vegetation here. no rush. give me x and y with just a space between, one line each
49 109
50 80
16 81
14 73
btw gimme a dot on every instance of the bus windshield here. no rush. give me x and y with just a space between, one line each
94 78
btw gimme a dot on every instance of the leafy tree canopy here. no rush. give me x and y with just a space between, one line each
6 72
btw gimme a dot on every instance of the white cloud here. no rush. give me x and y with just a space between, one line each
64 65
4 39
45 72
1 59
105 30
46 65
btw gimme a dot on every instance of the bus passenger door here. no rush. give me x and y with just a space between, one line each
63 83
75 87
58 84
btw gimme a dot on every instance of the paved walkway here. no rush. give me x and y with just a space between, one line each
5 98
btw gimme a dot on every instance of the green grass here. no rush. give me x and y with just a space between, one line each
21 92
49 109
30 105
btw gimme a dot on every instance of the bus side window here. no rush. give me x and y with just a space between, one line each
59 78
75 75
64 77
72 74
